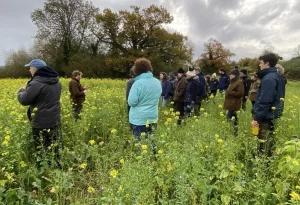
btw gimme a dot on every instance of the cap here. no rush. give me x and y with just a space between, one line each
36 63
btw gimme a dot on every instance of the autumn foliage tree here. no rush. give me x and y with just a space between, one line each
215 56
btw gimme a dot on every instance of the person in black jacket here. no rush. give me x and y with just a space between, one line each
42 94
166 88
129 84
269 102
192 86
224 80
247 84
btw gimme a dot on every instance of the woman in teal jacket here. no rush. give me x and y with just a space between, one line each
143 98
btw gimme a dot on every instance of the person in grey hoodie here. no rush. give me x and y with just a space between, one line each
42 94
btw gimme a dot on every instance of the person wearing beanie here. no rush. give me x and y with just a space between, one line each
224 80
247 83
192 85
233 98
179 94
42 94
214 84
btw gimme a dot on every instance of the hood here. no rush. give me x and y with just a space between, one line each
45 75
264 72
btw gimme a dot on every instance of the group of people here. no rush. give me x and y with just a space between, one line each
266 90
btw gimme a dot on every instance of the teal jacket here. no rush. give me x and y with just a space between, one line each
143 99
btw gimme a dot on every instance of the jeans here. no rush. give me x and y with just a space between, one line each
139 129
266 129
164 101
230 115
179 108
76 111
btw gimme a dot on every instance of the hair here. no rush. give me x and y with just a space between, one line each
222 70
245 71
131 73
172 76
142 65
76 73
280 69
165 76
197 68
269 57
236 66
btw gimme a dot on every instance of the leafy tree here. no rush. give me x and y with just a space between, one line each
252 64
215 56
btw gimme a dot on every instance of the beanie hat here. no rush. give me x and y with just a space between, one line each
180 70
197 68
214 75
234 72
244 71
36 63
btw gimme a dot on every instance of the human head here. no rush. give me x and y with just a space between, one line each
34 65
197 70
222 71
280 69
77 74
236 67
131 73
163 75
191 72
254 76
234 74
243 72
172 76
214 76
180 72
142 65
268 60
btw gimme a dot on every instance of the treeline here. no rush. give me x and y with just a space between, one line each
74 34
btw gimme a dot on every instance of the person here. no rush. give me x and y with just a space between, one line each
77 93
236 67
269 102
166 88
179 94
143 99
192 86
207 87
201 94
280 70
247 83
233 98
253 89
224 80
42 94
214 84
129 84
173 81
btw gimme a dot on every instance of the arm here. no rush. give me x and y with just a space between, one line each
27 96
75 90
238 91
182 85
265 99
134 94
168 89
128 87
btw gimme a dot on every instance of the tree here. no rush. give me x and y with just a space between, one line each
297 51
251 64
62 28
139 33
215 56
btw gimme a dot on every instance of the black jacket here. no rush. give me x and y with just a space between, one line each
270 94
247 84
42 94
192 86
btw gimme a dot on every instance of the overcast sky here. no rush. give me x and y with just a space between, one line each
246 27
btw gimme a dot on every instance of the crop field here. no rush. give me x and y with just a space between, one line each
200 162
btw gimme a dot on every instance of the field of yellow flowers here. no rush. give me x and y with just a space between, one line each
201 162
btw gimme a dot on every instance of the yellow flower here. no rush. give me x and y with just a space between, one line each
177 113
113 173
52 190
171 109
143 134
169 119
166 112
201 109
217 136
91 189
113 131
144 152
122 161
83 165
23 164
288 158
273 108
144 147
297 187
295 196
220 106
220 141
160 151
172 103
101 143
221 114
232 118
7 137
5 142
282 99
35 109
296 163
176 118
92 142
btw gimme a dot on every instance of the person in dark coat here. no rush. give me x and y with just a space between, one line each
166 88
173 81
214 84
42 94
269 102
192 86
253 89
179 94
224 80
77 93
201 94
233 98
129 84
280 70
247 83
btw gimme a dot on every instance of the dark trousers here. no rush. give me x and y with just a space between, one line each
214 93
252 110
244 103
147 129
47 141
179 107
230 115
76 111
266 145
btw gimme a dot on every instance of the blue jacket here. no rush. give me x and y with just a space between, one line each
166 86
271 89
224 81
214 85
201 90
143 99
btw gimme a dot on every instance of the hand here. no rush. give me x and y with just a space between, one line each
85 87
254 123
84 91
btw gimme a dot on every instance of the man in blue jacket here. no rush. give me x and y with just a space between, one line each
269 102
224 80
